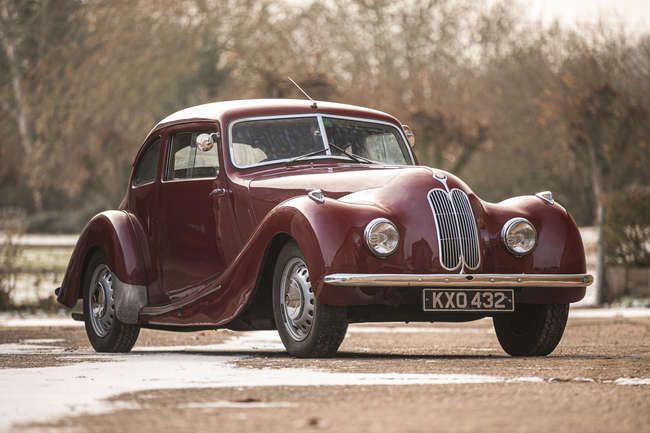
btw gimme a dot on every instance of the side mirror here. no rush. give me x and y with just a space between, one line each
205 142
410 136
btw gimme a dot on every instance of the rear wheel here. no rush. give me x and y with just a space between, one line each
532 330
105 332
308 328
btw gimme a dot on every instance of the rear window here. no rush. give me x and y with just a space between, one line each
146 168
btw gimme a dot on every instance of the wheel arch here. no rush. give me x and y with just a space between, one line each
258 313
116 234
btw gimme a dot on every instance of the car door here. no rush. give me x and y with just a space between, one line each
197 234
142 202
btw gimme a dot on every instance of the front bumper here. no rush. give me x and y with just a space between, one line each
460 280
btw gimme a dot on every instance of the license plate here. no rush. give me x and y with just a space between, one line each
468 300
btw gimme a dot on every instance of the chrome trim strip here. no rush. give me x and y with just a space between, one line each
326 141
459 280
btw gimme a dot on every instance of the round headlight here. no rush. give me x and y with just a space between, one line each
519 236
382 237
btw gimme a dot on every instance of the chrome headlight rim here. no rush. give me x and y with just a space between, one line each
506 229
368 231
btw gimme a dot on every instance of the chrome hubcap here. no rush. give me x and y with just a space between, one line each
102 302
297 299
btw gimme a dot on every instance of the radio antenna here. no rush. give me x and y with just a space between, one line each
313 105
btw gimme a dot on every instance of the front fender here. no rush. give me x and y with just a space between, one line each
559 248
120 238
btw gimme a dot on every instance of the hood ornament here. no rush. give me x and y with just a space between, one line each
440 177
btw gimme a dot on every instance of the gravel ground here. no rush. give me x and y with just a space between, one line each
401 378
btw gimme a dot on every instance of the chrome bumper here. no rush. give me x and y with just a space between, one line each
459 280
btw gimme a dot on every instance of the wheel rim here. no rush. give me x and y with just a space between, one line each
102 302
297 299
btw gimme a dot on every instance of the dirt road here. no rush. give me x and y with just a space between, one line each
406 378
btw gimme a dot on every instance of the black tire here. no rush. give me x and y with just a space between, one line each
119 337
532 330
328 323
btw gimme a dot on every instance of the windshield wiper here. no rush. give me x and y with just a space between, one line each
352 156
306 155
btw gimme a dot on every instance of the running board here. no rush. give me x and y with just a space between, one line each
79 317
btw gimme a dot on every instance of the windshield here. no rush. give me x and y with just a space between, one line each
262 141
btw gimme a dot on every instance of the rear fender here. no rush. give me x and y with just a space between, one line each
120 238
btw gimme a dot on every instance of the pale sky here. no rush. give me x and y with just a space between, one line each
634 14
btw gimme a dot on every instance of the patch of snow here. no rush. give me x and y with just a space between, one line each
526 379
27 349
406 329
42 340
54 391
222 404
632 381
38 322
42 240
608 313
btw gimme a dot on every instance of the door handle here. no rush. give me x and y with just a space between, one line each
219 192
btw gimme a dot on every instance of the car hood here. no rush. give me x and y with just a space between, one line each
377 185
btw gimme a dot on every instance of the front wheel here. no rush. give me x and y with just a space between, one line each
308 328
105 332
532 330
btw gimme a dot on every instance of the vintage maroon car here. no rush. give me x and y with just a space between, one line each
305 216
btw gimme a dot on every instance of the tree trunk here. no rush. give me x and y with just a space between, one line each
21 111
599 210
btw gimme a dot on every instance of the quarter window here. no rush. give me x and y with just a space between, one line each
145 169
186 161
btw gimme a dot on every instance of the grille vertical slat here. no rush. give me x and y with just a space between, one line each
468 229
450 249
456 227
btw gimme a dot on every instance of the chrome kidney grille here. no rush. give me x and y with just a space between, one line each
456 227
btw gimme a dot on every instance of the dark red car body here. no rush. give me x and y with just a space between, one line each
204 249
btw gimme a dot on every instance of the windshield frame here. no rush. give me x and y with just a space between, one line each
328 155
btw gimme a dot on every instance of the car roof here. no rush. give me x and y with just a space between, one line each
260 107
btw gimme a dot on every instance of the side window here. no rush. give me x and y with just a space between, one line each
180 155
186 161
145 169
